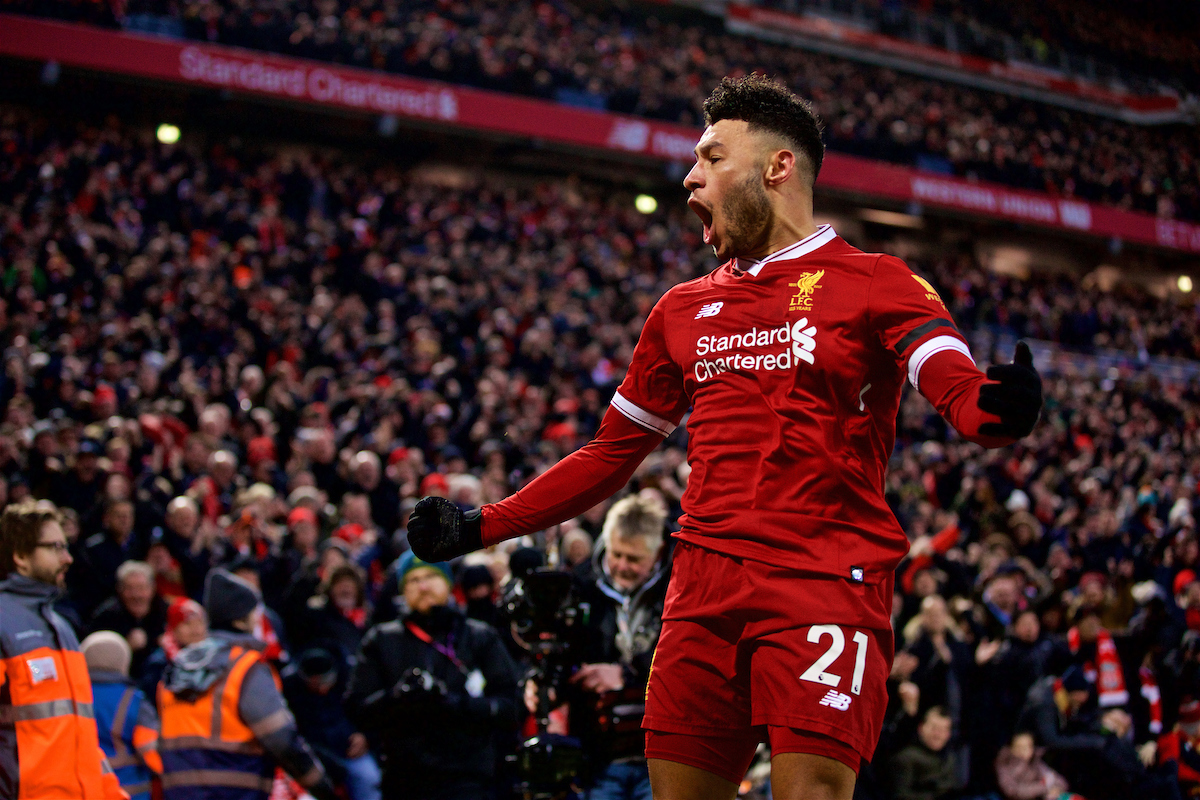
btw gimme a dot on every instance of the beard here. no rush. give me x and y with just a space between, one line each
55 576
747 212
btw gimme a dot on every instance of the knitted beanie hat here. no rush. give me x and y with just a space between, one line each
107 651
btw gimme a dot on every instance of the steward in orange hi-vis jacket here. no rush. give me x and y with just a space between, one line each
225 723
49 749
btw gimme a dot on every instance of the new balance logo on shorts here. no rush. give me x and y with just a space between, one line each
710 310
835 699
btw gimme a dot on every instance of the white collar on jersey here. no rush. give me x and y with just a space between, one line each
824 235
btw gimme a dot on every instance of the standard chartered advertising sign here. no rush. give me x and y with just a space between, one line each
319 84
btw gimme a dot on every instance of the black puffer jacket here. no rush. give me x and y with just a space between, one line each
433 745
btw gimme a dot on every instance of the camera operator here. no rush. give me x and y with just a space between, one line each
625 583
430 689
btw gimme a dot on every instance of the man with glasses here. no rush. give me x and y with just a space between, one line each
48 741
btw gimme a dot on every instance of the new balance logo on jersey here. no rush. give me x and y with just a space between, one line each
835 699
710 310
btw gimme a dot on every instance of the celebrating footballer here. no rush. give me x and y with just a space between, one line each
791 356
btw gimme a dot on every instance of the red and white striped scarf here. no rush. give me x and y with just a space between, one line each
1105 673
265 633
1153 697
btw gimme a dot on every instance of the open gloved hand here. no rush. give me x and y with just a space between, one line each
438 530
1015 396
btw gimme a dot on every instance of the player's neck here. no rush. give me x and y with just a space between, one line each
783 233
791 222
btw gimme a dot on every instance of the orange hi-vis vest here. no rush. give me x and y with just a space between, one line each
49 747
204 743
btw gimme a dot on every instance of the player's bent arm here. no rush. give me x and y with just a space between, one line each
992 410
581 480
438 530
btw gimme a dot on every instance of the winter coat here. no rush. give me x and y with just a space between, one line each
435 741
919 773
622 629
1027 780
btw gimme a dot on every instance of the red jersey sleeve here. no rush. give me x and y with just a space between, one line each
575 484
647 406
652 394
914 326
909 316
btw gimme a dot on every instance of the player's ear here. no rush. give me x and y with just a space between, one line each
781 164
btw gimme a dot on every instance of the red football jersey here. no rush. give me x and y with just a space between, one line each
793 368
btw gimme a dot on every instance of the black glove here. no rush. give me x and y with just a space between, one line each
418 690
1016 397
438 530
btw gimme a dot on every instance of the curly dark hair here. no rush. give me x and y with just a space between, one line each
768 105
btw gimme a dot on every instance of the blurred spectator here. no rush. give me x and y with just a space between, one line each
314 686
926 769
188 544
187 623
576 547
79 489
1023 775
300 543
137 612
1093 648
944 662
479 590
366 477
339 613
1054 712
1025 656
102 555
125 717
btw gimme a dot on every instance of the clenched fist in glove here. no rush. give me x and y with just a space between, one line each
438 530
1015 397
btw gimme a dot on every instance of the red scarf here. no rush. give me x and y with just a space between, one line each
1108 678
265 633
1192 616
169 645
1153 697
357 615
1170 746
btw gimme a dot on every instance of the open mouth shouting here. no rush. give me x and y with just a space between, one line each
706 217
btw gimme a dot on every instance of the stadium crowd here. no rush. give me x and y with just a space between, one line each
632 63
259 360
1157 37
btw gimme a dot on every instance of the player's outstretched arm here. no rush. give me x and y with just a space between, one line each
993 410
438 530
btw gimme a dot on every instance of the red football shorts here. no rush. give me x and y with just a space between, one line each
751 651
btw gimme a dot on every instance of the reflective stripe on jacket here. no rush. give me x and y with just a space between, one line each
49 749
128 728
205 745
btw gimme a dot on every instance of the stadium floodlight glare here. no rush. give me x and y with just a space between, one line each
167 133
1184 283
645 204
